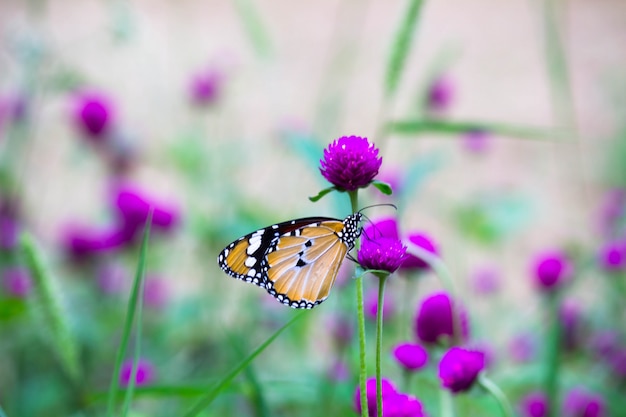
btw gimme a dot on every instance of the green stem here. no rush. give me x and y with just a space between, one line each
552 356
379 341
496 392
445 403
354 201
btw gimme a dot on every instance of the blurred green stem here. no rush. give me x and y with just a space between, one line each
552 352
445 403
382 278
354 202
496 392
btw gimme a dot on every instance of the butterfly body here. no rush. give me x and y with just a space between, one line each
295 261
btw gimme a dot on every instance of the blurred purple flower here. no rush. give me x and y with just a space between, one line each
476 141
17 281
551 269
82 241
383 228
613 256
339 371
485 281
205 87
93 114
604 343
534 404
402 405
156 292
382 254
411 356
388 391
570 319
459 368
434 319
522 348
370 305
133 206
9 227
581 403
144 374
341 329
350 162
612 210
112 278
425 242
617 364
440 94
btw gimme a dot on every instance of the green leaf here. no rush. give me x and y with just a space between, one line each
134 306
402 46
322 193
383 187
54 317
254 27
432 126
220 386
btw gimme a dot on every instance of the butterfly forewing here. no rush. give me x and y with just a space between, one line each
296 261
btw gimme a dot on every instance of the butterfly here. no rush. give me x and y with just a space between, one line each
296 261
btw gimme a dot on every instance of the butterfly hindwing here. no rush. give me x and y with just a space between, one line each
295 261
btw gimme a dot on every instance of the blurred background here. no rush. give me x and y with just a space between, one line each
503 136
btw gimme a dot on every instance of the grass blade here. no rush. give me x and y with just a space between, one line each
442 127
254 26
219 387
401 47
134 304
54 317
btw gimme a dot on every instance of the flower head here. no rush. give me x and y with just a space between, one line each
485 281
350 162
440 94
388 391
581 403
402 405
144 373
17 282
551 270
9 226
612 256
411 356
424 241
82 241
459 368
534 404
476 141
205 87
434 319
383 254
92 114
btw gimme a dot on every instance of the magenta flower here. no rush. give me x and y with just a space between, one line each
9 227
402 405
534 404
411 356
570 319
551 269
385 227
92 114
476 141
381 254
485 281
82 241
350 162
425 242
612 210
440 94
144 374
581 403
459 368
17 282
434 319
613 256
205 87
388 391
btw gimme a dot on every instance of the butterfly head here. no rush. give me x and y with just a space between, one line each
351 229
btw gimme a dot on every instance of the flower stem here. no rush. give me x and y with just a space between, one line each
496 392
552 354
354 201
379 341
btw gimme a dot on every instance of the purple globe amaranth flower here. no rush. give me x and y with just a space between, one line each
534 404
485 281
434 319
612 257
382 254
388 391
205 87
571 321
133 206
581 403
551 269
612 212
402 405
459 368
382 228
410 356
9 227
350 162
424 241
82 241
476 141
93 114
440 94
17 281
144 374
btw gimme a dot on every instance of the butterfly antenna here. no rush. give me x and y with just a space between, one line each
379 205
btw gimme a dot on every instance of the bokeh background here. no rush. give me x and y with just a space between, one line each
220 110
